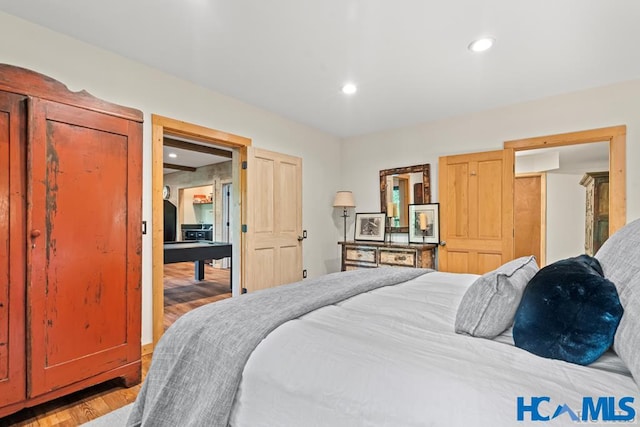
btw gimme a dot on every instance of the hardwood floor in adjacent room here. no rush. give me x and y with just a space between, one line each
182 294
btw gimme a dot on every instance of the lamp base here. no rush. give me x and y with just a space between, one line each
345 214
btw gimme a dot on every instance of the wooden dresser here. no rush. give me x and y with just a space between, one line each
378 254
70 240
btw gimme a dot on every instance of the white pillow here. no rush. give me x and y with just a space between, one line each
619 257
488 307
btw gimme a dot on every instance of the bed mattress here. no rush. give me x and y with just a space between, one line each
390 357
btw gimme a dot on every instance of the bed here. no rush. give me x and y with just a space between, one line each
379 347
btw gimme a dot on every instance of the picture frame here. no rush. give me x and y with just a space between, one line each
424 223
371 226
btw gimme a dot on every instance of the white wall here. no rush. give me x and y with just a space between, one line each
193 213
540 161
618 104
565 226
117 79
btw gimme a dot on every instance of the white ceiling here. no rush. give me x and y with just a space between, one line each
189 158
409 58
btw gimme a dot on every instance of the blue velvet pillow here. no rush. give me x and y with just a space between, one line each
568 311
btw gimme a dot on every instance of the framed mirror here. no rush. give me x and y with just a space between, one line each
401 187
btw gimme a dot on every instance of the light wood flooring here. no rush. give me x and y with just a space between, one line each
182 294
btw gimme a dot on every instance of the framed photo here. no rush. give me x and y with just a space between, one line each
371 226
424 223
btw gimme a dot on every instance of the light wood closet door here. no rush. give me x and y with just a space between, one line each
273 218
476 218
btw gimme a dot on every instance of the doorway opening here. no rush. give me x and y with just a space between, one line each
162 128
193 208
613 139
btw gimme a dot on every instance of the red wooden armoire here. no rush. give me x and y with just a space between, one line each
70 240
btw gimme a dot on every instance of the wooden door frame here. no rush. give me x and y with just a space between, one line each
161 126
617 138
543 212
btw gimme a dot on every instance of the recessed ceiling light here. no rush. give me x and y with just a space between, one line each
349 89
173 155
481 45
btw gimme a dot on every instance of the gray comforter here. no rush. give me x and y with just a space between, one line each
197 365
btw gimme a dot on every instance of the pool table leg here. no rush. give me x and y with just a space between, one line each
199 269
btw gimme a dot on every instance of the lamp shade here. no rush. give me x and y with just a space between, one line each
344 199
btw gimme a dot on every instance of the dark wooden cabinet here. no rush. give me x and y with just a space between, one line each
70 240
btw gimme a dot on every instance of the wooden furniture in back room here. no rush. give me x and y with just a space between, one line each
596 229
70 240
377 254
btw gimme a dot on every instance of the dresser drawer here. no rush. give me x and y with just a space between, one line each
373 254
349 267
405 258
361 254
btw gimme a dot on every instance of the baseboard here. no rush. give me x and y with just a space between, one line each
147 349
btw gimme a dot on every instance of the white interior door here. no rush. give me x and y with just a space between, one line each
272 221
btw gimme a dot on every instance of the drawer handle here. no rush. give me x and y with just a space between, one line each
401 258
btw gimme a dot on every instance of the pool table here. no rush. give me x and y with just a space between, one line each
197 251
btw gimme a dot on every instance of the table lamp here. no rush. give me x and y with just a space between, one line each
423 224
344 200
391 208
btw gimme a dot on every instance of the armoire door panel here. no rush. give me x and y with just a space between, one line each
79 263
91 273
12 248
5 142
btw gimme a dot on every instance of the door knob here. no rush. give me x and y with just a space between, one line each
300 238
443 243
34 233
